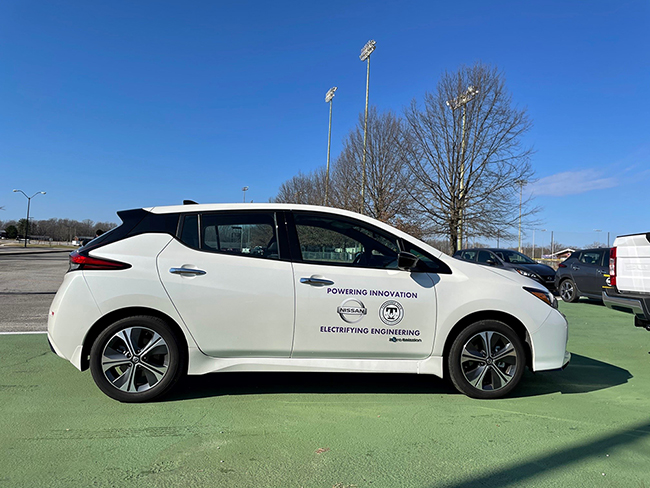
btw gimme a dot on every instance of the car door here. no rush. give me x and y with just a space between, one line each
588 271
351 299
232 283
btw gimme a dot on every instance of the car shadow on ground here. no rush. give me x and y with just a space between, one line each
582 375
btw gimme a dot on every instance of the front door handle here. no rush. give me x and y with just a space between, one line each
316 281
187 271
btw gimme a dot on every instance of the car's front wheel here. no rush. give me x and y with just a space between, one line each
136 359
568 291
486 360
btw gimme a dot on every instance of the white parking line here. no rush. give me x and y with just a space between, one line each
25 332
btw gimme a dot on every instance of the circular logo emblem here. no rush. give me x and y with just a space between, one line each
352 310
391 312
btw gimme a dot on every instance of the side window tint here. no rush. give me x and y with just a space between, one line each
591 257
243 234
190 232
483 257
469 255
427 262
329 240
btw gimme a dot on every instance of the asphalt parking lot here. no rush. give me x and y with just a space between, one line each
28 283
588 425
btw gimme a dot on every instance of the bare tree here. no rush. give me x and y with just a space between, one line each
306 189
465 154
387 175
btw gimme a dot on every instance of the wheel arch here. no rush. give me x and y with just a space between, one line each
506 318
122 313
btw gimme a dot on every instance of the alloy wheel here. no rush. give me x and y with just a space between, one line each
135 359
489 361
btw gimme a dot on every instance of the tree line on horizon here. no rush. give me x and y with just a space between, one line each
56 229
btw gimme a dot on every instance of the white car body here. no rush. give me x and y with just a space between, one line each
253 314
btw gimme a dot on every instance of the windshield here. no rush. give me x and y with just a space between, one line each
514 257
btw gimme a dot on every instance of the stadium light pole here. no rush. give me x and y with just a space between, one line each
29 201
244 189
366 51
329 96
461 101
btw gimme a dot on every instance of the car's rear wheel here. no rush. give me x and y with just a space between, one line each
136 359
568 291
486 360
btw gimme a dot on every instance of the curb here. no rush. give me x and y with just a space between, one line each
34 252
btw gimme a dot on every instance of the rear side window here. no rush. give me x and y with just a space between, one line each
190 231
242 234
591 257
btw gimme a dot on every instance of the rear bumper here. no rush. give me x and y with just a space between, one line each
639 305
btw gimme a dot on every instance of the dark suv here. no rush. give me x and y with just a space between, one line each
506 258
582 274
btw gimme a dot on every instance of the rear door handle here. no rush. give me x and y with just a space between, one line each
187 271
575 268
316 281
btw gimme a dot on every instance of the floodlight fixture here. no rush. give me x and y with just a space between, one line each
330 94
367 50
465 97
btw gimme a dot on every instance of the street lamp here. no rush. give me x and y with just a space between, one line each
461 101
521 184
366 51
329 96
29 201
245 189
597 231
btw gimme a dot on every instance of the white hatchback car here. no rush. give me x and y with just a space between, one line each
276 287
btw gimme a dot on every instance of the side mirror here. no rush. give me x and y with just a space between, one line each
406 261
491 262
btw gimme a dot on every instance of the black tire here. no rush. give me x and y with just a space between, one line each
136 359
490 375
568 291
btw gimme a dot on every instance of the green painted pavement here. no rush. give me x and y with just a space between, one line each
586 426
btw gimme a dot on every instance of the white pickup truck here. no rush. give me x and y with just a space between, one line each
629 276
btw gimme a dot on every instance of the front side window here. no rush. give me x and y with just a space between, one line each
484 257
469 255
338 241
427 263
243 234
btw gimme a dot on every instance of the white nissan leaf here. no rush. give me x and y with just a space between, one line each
195 289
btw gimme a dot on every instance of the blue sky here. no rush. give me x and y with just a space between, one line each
114 105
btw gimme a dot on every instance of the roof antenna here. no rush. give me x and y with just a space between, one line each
189 202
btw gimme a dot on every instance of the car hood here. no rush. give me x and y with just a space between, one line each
540 269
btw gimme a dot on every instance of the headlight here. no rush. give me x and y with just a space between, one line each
525 272
544 295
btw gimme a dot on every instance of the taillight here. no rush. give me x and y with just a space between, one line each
81 261
612 266
561 265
